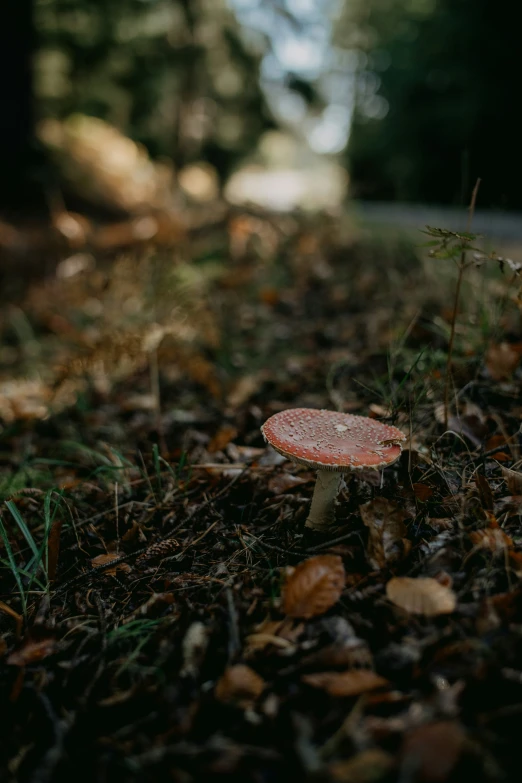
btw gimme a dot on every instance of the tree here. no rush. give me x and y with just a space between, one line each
17 156
446 73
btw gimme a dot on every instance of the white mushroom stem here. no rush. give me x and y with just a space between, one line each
322 510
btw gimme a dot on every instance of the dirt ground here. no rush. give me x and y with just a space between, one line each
165 613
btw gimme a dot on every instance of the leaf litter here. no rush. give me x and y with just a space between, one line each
165 614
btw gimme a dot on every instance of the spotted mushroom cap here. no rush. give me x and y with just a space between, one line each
329 440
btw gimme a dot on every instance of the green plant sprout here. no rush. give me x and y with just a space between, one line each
455 246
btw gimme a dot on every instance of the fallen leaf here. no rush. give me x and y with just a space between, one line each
101 560
422 491
350 683
314 586
485 493
239 685
282 482
32 652
502 359
385 521
368 766
245 388
513 479
433 750
19 620
281 634
222 438
421 596
493 539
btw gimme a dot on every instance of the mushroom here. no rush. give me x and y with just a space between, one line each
334 443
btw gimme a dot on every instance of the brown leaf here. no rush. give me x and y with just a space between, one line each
222 438
368 766
422 491
350 683
282 482
421 596
245 388
513 479
433 750
493 539
281 634
502 359
101 560
31 652
314 586
239 685
485 493
385 521
19 620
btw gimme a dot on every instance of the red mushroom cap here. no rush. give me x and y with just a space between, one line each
329 440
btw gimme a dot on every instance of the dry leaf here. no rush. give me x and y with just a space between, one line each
281 634
368 766
421 596
385 521
239 685
513 479
350 683
101 560
282 482
19 620
485 493
245 388
493 539
32 652
222 438
502 360
314 586
422 491
433 750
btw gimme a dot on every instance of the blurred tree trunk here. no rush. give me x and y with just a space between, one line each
16 104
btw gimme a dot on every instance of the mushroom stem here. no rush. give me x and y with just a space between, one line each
322 510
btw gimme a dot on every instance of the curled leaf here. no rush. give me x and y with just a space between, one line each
239 685
314 586
421 596
385 521
350 683
31 651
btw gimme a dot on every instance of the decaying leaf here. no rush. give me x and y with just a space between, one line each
239 685
502 359
421 596
282 482
222 438
368 766
484 490
279 634
492 538
314 586
18 619
349 683
32 651
101 560
422 491
433 750
385 521
513 479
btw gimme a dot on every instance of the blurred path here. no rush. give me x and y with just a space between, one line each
497 225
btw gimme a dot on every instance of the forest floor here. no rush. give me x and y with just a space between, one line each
152 626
